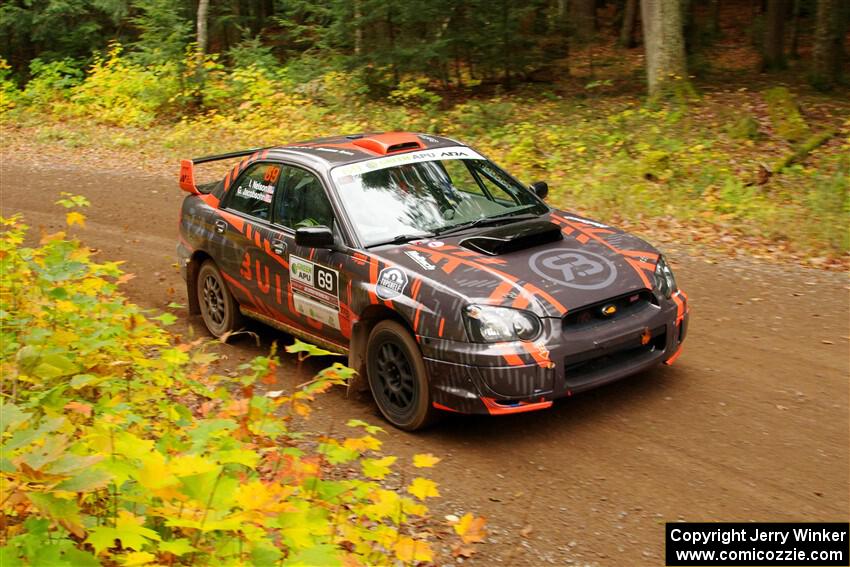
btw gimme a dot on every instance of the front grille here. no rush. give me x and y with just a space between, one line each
586 367
625 305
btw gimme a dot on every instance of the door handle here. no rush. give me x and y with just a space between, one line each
220 226
278 247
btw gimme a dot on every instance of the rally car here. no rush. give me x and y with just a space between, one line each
450 285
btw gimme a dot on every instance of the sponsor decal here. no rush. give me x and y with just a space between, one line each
574 268
315 290
436 244
420 259
391 283
360 167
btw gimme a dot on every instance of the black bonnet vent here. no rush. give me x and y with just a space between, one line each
512 237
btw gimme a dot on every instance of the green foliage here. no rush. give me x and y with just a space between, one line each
9 93
122 92
785 114
745 128
164 31
615 159
57 30
52 82
119 446
414 92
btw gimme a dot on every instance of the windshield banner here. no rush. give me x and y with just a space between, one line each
360 167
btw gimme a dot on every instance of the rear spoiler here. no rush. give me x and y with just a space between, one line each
187 167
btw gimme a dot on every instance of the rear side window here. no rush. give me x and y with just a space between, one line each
254 191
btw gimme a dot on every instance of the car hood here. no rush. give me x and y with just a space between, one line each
554 264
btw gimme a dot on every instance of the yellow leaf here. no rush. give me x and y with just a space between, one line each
377 468
154 473
139 558
425 460
362 443
410 550
190 465
423 488
64 306
471 529
386 505
74 217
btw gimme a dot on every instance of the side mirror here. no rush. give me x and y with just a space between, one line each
314 237
540 188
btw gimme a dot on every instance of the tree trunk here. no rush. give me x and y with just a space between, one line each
562 30
773 56
828 49
627 32
358 28
583 19
795 30
666 67
714 22
203 9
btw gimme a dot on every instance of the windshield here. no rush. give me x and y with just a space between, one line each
424 193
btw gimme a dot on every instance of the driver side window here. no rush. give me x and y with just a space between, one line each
301 200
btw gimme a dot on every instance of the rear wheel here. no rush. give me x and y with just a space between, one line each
397 376
218 308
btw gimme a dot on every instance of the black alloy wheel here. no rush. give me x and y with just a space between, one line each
218 308
397 376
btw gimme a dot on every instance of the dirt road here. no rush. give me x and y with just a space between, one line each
751 423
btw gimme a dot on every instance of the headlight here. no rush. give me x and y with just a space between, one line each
664 280
488 324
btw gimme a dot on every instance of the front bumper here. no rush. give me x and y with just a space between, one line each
519 377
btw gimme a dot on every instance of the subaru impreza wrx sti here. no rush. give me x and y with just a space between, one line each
450 285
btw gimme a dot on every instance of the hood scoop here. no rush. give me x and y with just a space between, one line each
512 237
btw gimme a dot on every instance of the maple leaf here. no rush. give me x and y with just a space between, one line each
177 547
128 530
464 551
471 529
74 217
423 488
136 558
425 460
377 468
79 407
410 550
386 505
364 443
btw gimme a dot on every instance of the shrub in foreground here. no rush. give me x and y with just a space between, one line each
120 446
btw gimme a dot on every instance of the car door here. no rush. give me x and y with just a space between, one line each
315 275
252 259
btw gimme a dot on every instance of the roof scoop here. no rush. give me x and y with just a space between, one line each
512 237
389 142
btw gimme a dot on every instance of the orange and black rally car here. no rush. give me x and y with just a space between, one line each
451 285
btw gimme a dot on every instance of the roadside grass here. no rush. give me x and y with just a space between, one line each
709 168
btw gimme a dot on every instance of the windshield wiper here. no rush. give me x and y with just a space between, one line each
484 221
401 239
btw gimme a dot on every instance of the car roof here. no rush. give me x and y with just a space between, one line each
340 150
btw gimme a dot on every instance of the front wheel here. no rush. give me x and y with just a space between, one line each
397 376
218 308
